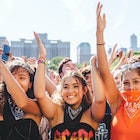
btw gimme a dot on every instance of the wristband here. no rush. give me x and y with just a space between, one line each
100 44
41 61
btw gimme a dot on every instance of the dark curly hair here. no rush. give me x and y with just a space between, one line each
60 66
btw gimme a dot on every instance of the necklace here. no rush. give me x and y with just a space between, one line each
16 111
74 113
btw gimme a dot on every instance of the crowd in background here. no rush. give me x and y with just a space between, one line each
96 101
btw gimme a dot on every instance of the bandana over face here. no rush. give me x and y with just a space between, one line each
131 105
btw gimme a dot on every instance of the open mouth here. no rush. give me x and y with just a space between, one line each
70 96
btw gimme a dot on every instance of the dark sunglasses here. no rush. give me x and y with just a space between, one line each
85 74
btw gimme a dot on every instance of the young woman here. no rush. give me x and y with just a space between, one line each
76 115
21 115
125 105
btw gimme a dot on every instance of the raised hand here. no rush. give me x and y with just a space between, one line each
101 20
42 50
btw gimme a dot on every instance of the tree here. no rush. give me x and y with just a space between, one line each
53 64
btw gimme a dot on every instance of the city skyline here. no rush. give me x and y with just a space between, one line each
70 20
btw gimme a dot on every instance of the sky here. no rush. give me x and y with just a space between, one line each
70 20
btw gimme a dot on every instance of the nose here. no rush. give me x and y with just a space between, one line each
70 90
89 78
131 86
73 67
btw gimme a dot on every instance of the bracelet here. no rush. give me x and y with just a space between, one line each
41 61
100 44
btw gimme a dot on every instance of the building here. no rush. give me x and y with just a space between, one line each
29 48
83 53
57 48
133 42
2 39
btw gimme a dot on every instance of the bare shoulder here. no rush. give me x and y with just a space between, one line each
58 118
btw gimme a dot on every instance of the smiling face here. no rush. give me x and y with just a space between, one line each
72 92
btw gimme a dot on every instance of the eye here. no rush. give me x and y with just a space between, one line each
116 78
65 87
22 78
136 81
76 86
67 66
125 83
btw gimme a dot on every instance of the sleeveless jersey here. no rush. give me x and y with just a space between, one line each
22 129
72 128
103 131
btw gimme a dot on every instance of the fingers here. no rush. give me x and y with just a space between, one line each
130 53
104 17
37 38
42 50
115 46
99 8
93 59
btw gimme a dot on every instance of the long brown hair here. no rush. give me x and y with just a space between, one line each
78 76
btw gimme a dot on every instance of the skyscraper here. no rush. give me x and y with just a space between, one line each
83 53
133 42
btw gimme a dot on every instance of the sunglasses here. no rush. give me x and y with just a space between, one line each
85 73
130 66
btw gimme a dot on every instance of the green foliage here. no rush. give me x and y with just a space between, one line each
114 63
81 65
137 53
56 60
53 64
53 67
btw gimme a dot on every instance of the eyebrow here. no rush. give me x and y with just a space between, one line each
67 64
132 79
136 79
72 84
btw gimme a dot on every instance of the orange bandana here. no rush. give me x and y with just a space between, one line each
131 105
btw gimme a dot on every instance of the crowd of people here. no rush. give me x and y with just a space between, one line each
95 102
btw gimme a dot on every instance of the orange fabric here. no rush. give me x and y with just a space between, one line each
126 122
